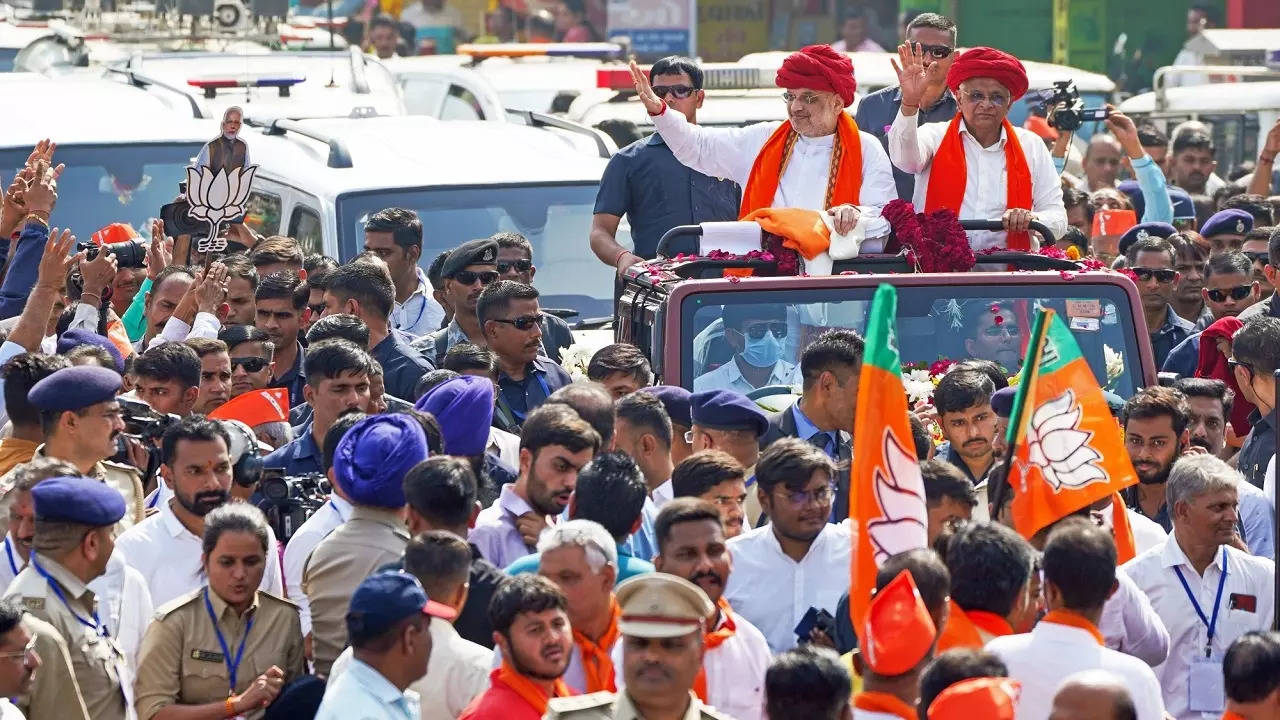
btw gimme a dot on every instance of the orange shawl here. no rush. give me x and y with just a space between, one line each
526 688
963 628
711 641
766 172
884 703
1075 620
596 660
948 177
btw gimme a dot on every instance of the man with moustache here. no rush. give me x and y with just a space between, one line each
531 630
465 272
22 661
166 548
968 422
226 152
251 353
1229 289
1155 423
16 546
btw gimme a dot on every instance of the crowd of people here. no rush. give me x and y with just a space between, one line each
465 531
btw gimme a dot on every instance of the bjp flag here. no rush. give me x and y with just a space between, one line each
886 494
1067 451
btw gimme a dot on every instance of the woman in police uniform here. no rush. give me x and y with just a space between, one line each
227 649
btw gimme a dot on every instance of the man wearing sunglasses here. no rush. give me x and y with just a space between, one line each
464 274
1229 290
757 335
515 262
936 36
645 181
1151 260
1255 247
250 350
509 315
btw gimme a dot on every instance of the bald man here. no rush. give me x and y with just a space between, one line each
1101 163
1092 695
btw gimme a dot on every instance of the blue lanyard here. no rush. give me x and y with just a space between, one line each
8 550
232 665
546 393
1210 622
336 511
97 625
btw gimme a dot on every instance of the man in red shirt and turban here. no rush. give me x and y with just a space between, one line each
816 160
978 165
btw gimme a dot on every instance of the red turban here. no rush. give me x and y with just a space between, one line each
818 67
985 62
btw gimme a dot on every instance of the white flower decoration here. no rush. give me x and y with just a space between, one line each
899 491
1060 448
918 384
216 198
1114 363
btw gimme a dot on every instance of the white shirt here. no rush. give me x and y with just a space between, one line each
8 711
663 494
1147 533
735 671
1044 657
507 446
418 16
1131 626
729 377
985 192
1269 483
309 534
458 671
175 330
731 152
420 313
774 592
11 563
168 556
124 605
1153 572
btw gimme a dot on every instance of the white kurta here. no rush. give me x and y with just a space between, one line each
986 192
730 153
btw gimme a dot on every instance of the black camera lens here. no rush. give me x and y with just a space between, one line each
129 254
274 489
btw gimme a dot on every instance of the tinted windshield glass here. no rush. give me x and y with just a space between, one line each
934 323
555 218
117 183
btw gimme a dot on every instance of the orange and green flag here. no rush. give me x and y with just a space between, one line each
886 494
1067 452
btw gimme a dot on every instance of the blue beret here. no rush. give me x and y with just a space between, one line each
464 407
74 388
373 456
1227 222
72 339
1144 230
474 252
1002 401
676 400
78 500
727 410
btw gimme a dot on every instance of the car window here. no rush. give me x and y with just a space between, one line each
934 323
304 226
262 212
423 95
461 104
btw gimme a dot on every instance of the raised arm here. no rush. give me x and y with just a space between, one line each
1157 207
906 149
1261 183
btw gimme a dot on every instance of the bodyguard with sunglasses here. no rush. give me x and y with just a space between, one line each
645 182
465 273
515 262
251 352
1151 260
509 316
1229 290
936 36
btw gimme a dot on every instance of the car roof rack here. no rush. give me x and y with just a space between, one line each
141 80
339 155
537 119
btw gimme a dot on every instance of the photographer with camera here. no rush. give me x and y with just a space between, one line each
166 547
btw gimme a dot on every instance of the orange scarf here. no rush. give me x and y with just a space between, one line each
711 641
1229 715
990 622
1075 620
885 703
766 172
950 172
527 689
959 631
596 660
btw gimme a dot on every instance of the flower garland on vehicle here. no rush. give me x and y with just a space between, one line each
935 243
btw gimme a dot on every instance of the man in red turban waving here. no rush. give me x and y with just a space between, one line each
816 160
978 165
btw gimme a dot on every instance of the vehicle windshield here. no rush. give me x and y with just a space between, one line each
104 184
935 322
554 218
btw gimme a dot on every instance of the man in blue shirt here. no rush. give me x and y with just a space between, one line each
645 182
512 326
337 373
1151 260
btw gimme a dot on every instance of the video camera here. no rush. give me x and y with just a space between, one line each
177 221
288 500
146 426
129 254
1066 110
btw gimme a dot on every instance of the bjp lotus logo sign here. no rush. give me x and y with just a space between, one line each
217 198
1060 448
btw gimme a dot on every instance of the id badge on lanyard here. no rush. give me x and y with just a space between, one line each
1206 688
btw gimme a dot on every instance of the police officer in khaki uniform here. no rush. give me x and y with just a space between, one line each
663 621
83 674
81 420
228 645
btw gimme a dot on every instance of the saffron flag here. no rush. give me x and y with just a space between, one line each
1067 452
886 495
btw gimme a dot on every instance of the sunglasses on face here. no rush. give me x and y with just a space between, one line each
1233 364
678 92
755 332
250 364
1261 257
1238 292
467 277
506 266
1163 277
939 52
522 323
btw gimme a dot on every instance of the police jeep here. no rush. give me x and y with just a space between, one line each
671 308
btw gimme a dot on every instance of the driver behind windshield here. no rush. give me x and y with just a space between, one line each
757 334
992 332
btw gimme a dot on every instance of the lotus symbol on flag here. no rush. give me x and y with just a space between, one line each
216 198
1060 448
899 491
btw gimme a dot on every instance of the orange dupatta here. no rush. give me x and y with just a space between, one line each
596 660
885 703
766 172
949 176
1075 620
964 628
527 689
711 641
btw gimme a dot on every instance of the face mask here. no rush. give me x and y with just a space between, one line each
762 353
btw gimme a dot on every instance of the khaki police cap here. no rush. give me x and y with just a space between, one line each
659 605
